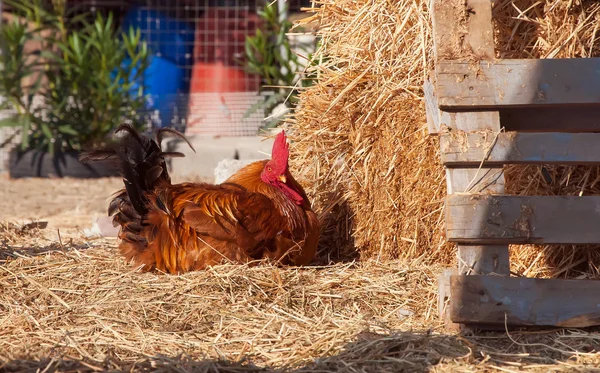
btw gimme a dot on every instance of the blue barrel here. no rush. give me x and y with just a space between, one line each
167 37
171 44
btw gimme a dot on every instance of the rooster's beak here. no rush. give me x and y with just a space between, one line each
283 179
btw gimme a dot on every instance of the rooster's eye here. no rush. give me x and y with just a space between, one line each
269 169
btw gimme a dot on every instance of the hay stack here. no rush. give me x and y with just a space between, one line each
361 142
360 136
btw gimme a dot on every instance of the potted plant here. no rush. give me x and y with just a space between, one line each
83 80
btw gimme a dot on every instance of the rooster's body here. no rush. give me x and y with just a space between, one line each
260 212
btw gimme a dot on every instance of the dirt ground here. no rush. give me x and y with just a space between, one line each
69 303
68 204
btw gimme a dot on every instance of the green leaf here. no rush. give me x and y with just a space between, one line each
25 133
46 130
84 100
14 121
281 36
273 71
68 130
249 49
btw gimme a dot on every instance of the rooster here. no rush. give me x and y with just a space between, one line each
260 212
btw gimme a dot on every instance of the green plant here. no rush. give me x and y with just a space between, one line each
15 69
268 54
87 74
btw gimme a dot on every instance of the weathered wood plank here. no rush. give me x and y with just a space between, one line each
465 180
525 301
444 298
477 14
444 289
471 121
460 149
493 219
462 28
483 260
517 82
468 180
576 118
431 108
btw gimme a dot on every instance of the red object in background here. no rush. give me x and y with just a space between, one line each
219 51
221 91
216 77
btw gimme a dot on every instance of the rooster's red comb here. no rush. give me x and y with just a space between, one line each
280 152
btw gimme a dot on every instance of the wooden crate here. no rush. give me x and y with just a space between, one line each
489 113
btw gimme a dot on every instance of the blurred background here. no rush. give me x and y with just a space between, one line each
220 71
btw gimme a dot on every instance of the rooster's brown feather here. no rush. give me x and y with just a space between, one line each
183 227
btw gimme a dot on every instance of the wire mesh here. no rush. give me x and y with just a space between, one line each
196 82
196 48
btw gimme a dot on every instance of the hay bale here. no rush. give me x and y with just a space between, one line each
360 138
547 29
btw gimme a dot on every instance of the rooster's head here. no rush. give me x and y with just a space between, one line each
276 171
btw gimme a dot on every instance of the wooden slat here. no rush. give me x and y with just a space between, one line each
469 149
462 28
468 180
479 38
443 300
525 301
447 34
471 121
472 262
461 180
576 118
444 289
488 219
505 83
431 108
473 35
